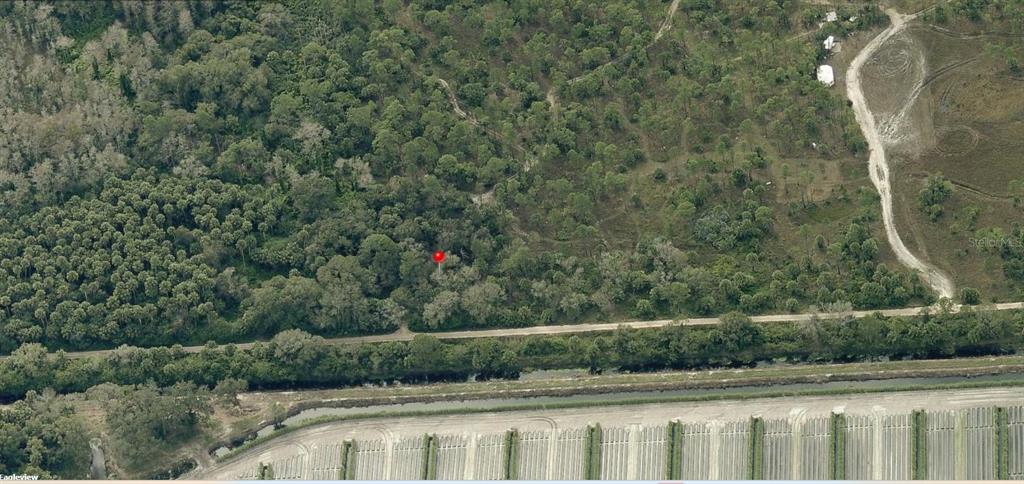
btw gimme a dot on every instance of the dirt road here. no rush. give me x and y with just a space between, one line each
878 165
406 335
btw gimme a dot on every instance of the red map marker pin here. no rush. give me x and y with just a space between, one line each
438 259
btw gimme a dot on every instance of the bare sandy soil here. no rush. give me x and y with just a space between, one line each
966 125
890 129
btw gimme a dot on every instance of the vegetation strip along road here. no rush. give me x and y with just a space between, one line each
606 327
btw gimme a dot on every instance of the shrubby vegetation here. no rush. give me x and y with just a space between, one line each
1009 246
977 11
992 15
937 189
142 427
1003 17
42 436
146 423
178 172
297 359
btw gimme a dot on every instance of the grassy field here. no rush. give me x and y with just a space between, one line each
966 126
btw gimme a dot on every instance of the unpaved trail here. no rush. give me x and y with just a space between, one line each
98 467
878 165
529 160
408 335
666 25
455 103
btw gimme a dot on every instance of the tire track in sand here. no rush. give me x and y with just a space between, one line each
878 166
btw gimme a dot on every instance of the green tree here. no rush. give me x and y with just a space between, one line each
312 195
970 295
343 306
243 161
937 189
737 334
282 303
426 354
145 422
482 301
382 257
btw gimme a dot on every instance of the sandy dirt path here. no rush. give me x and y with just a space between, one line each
878 165
407 335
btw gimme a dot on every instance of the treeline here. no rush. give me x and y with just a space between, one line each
43 435
296 359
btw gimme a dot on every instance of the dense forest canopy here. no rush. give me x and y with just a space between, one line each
186 171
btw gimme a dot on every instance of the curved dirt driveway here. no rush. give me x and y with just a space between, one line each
878 166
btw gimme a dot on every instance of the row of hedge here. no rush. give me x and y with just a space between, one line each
837 446
674 451
295 359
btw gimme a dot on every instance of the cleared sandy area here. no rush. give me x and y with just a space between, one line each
880 134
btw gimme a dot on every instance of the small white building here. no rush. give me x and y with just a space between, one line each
830 42
826 76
